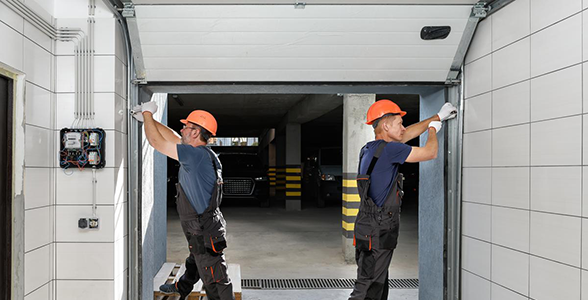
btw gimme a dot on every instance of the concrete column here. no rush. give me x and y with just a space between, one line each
355 134
293 167
272 168
280 165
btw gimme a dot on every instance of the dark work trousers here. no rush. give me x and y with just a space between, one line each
372 274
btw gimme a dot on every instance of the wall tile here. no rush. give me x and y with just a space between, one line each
120 47
474 287
510 187
477 185
556 237
585 35
120 78
557 47
585 191
116 149
37 64
78 289
510 228
120 221
13 55
41 294
67 224
477 149
510 146
478 76
37 233
565 86
120 256
37 268
557 142
104 32
105 68
500 293
585 139
85 260
38 37
546 12
585 86
65 70
70 188
510 268
585 243
510 24
120 286
38 143
481 42
476 220
557 190
38 106
584 285
511 105
10 18
475 257
37 183
478 113
551 280
511 64
109 107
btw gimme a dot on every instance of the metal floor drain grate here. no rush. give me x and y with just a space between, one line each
301 284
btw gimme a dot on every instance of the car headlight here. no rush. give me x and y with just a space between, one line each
262 178
328 177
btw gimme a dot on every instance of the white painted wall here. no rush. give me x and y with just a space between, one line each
525 206
61 261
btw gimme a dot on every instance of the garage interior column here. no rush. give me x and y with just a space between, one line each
355 134
293 167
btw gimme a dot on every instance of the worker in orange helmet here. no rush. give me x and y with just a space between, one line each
380 190
198 199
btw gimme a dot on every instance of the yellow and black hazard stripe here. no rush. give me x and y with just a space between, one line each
271 174
280 178
293 182
351 203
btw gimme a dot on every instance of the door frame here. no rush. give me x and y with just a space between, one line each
15 180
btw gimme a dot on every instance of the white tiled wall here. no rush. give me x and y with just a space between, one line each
525 199
56 251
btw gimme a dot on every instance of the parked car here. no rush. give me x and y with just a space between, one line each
323 174
244 176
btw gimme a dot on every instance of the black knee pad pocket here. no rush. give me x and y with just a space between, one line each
374 292
367 263
197 244
215 270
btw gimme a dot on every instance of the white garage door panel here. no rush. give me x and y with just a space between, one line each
268 2
296 51
310 11
299 64
296 76
298 38
277 43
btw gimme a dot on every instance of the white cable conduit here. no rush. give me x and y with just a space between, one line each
84 57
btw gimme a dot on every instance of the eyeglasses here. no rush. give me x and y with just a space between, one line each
186 126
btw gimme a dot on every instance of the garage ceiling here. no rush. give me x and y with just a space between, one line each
312 43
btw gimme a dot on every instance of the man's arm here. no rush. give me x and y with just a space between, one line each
156 139
168 134
417 129
428 152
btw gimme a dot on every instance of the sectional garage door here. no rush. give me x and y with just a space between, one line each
243 41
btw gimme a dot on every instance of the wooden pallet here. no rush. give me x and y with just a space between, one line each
171 272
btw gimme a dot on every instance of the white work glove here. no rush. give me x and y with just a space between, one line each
447 111
138 113
150 106
437 125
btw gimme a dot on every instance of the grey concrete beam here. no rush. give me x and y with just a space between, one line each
310 108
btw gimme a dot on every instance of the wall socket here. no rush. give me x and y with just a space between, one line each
89 223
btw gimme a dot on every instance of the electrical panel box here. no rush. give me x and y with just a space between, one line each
82 148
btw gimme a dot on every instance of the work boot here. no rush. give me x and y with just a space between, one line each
172 288
169 288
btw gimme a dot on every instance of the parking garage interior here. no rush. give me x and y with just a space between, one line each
268 240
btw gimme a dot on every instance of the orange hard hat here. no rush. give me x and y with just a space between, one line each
203 119
382 107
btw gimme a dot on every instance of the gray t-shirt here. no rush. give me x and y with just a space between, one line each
196 175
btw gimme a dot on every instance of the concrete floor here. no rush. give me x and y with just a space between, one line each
275 243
